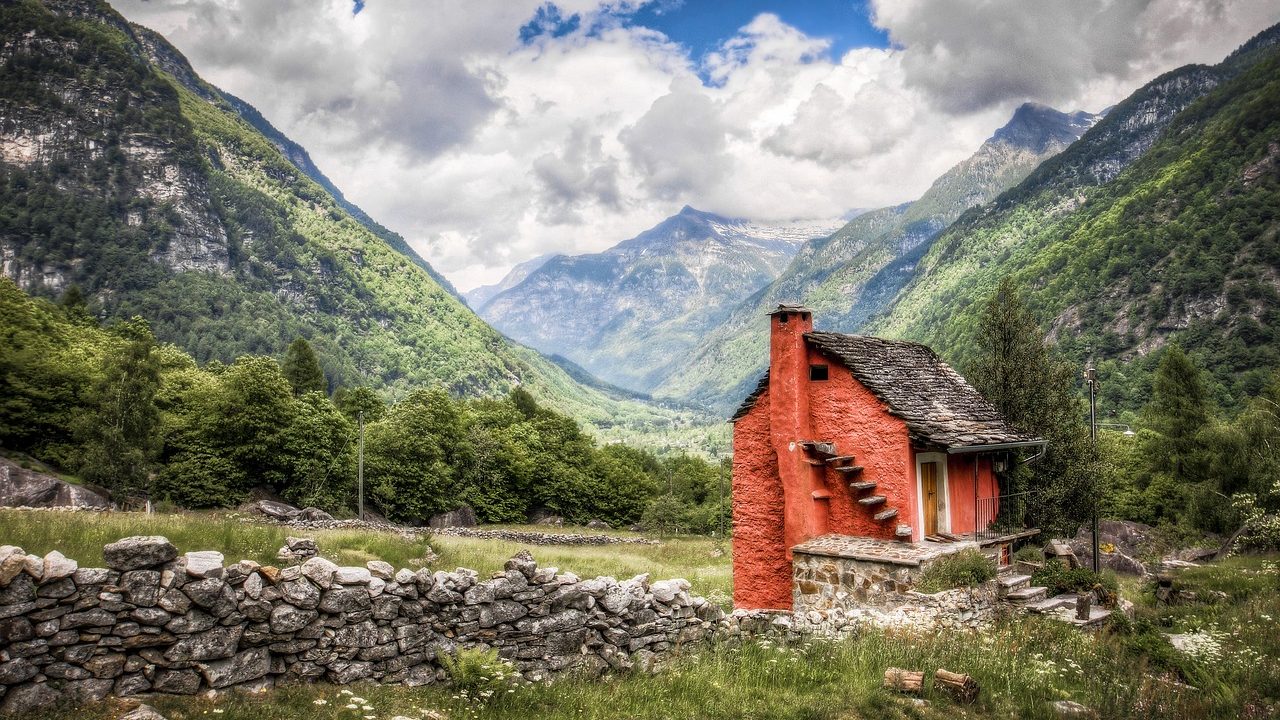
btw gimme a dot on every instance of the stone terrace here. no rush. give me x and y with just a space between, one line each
880 551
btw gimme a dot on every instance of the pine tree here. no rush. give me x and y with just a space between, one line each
120 437
1179 411
302 368
1177 485
1033 389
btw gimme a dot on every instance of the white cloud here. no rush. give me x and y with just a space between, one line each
484 151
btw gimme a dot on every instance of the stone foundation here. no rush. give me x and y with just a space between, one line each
840 581
155 621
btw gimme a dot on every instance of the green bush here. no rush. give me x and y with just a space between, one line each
1029 553
477 671
966 568
1059 579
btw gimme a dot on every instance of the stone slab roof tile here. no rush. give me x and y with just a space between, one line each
938 406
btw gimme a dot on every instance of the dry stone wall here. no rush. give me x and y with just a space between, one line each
157 621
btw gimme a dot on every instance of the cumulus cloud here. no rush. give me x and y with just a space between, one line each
971 55
489 133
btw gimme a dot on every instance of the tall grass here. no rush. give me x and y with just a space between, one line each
81 536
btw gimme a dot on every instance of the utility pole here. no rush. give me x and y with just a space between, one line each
1091 377
720 484
360 470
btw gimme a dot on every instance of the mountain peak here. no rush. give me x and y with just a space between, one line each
1035 126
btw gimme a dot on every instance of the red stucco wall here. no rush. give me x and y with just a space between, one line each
846 413
761 563
960 478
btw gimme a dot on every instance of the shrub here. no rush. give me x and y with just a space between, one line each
1059 579
477 671
966 568
1029 553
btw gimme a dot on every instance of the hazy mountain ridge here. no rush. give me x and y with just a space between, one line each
625 313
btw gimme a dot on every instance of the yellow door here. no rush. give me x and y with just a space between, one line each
929 492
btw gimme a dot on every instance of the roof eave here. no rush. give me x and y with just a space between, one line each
996 447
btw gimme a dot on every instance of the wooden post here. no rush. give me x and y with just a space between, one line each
903 680
959 686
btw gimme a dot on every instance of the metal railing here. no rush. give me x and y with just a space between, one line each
1003 511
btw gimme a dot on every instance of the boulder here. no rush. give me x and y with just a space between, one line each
313 514
381 570
58 566
598 525
275 510
213 644
28 698
462 517
205 564
320 571
240 668
135 553
352 576
20 487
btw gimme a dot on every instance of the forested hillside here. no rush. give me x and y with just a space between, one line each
126 176
1121 259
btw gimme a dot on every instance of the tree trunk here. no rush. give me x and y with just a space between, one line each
960 687
904 680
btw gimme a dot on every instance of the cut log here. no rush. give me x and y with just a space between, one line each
903 680
960 687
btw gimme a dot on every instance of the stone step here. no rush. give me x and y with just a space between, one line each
1027 595
886 514
849 469
1014 582
1048 606
903 531
839 459
863 485
872 500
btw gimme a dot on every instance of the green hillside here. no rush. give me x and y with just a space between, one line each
1180 246
149 192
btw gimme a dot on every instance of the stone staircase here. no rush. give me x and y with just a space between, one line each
1020 594
824 455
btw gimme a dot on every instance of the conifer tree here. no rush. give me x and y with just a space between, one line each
1033 388
302 369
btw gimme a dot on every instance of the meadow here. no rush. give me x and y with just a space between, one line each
1229 666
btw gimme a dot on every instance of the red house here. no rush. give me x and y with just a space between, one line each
856 436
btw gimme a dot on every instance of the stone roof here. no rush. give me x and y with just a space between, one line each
750 401
938 406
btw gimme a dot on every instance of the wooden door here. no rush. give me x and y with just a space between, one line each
929 496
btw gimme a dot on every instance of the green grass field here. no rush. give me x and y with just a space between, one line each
1130 670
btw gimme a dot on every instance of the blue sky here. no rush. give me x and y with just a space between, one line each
702 25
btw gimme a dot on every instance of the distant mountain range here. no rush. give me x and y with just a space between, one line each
625 313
